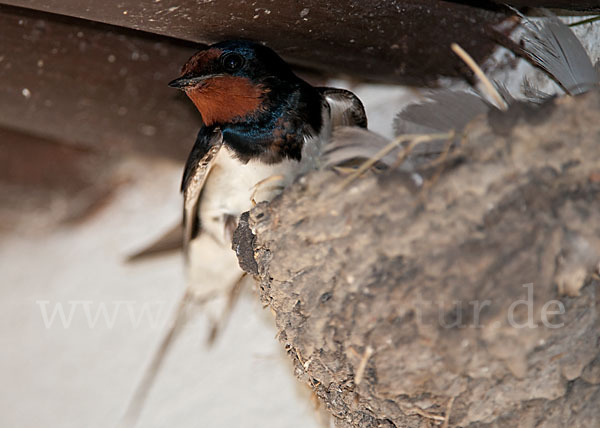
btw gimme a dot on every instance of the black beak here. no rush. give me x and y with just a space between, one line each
184 82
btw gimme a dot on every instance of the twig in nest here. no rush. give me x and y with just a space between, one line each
585 21
440 167
428 415
261 183
304 364
448 412
360 371
413 139
344 169
487 84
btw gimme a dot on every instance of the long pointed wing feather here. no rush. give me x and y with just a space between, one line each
554 47
198 166
142 390
170 240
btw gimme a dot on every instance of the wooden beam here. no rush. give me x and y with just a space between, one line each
93 85
583 5
395 41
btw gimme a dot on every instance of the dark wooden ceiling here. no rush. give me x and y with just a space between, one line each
403 41
83 74
83 82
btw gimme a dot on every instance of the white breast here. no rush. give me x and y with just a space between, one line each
231 183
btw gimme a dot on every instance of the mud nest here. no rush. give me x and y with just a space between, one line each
469 301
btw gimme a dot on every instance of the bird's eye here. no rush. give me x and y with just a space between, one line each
232 61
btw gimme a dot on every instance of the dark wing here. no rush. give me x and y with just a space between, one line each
346 108
198 166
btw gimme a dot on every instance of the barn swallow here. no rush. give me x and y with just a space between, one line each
260 121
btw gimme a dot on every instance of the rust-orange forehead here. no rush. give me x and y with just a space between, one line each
201 60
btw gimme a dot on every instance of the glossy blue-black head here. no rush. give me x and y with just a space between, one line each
262 108
234 58
230 80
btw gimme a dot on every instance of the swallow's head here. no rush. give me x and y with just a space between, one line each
232 81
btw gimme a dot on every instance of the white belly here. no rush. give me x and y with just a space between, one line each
231 185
